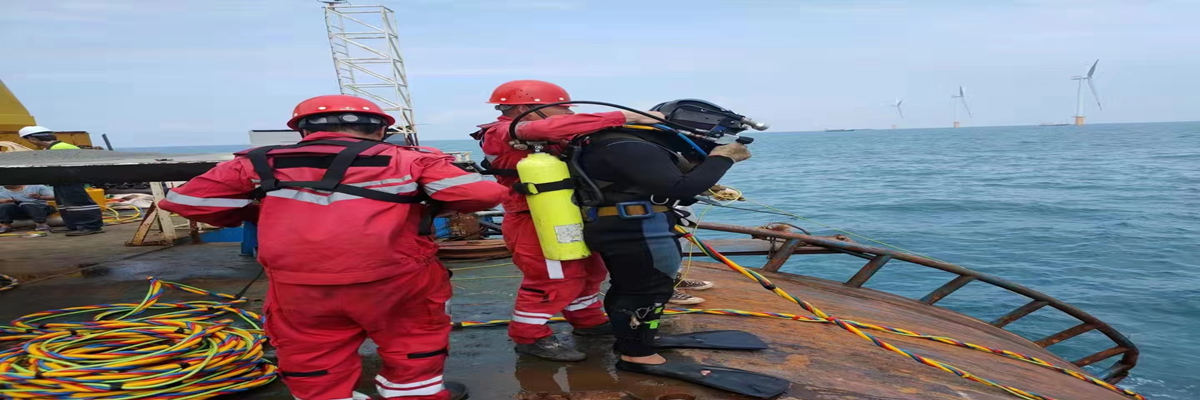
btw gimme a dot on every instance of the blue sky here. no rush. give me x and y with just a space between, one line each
204 72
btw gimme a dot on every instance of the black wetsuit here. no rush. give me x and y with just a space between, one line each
642 254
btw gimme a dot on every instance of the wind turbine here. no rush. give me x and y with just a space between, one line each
1079 93
962 95
898 110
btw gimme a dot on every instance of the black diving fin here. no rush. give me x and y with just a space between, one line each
733 380
720 340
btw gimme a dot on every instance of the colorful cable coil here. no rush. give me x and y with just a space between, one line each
148 350
8 282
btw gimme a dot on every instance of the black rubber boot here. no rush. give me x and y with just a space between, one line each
457 390
604 329
83 232
550 348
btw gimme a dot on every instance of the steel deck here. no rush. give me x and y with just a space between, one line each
823 361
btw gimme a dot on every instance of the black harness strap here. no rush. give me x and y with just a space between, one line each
485 166
527 188
488 170
323 161
331 180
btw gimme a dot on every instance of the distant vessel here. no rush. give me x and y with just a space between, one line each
1052 124
840 130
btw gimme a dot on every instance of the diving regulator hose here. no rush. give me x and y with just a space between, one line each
677 127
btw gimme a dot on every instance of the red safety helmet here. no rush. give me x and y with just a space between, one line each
528 92
336 103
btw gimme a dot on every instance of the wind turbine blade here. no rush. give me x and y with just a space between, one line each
964 101
1093 70
898 103
900 111
961 93
1094 94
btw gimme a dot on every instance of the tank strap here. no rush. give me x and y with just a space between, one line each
331 180
488 170
527 188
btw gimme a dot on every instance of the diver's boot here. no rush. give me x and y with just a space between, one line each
604 329
550 348
457 390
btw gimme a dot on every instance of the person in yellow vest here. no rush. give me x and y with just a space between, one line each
80 214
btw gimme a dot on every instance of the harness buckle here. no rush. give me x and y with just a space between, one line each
624 208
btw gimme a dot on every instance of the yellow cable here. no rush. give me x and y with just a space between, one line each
688 266
117 218
482 267
488 277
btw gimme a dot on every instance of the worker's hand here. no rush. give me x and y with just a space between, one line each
735 151
639 119
725 193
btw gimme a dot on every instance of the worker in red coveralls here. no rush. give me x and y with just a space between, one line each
339 220
549 286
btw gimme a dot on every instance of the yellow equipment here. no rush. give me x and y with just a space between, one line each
13 115
545 182
97 196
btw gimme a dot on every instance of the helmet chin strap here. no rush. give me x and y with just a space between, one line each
536 111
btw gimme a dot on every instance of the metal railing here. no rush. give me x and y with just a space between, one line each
796 243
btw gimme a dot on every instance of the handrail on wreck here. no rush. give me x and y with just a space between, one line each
878 257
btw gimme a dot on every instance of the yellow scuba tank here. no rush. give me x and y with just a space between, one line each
545 182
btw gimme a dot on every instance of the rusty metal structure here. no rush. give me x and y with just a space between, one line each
877 258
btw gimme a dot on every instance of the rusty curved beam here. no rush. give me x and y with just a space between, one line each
1124 347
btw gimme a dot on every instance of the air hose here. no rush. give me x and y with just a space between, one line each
116 218
148 350
680 129
7 282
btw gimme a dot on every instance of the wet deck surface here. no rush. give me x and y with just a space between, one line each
29 258
821 360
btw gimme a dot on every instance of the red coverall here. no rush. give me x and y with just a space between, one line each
343 268
571 287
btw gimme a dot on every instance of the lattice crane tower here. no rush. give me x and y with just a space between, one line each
366 56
